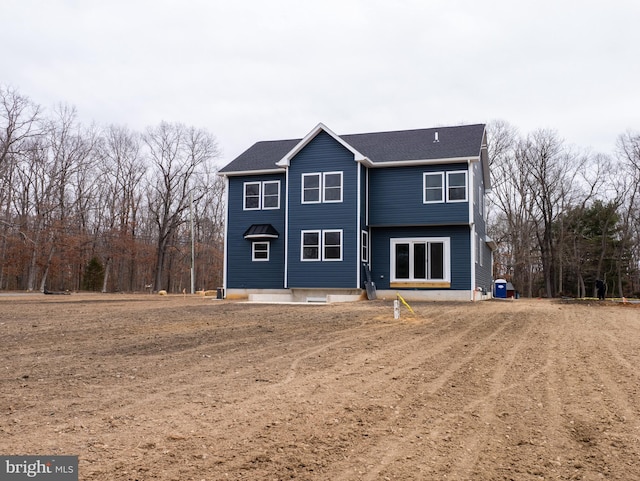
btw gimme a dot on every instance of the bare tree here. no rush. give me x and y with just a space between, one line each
19 122
71 150
628 154
512 222
123 171
551 172
209 230
178 154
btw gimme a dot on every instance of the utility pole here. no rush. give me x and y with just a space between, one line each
193 247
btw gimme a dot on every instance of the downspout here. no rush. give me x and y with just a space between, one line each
226 234
358 229
472 230
286 229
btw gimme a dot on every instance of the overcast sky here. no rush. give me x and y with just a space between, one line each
265 70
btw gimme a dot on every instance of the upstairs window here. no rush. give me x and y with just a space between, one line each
310 188
332 187
457 186
252 195
321 187
271 195
262 195
433 187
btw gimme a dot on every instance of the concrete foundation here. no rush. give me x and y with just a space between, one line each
349 295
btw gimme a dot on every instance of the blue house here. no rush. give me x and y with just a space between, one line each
315 218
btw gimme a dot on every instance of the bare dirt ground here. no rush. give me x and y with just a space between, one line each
174 388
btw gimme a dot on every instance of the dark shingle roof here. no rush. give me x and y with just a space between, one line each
403 145
261 156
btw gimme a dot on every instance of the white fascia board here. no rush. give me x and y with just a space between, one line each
284 162
406 163
251 172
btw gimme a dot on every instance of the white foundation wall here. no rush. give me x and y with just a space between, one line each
349 295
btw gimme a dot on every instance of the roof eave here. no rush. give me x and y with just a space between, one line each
406 163
251 172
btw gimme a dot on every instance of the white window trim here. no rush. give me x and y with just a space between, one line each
277 182
321 245
260 195
253 251
424 188
324 187
244 195
364 246
302 189
446 241
322 193
324 258
314 231
466 185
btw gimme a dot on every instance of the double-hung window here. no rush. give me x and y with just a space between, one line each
271 194
311 188
331 245
252 195
262 195
332 187
420 260
433 187
321 187
321 245
457 186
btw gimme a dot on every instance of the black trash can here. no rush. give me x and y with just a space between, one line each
220 293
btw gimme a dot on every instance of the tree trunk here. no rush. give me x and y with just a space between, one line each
107 270
43 282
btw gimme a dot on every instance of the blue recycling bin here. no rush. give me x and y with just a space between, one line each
500 289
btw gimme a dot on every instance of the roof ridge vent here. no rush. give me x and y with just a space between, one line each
435 138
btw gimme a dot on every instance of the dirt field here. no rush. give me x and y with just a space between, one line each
174 388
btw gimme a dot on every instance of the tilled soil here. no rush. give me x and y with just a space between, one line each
189 388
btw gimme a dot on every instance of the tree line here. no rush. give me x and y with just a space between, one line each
112 209
106 208
563 218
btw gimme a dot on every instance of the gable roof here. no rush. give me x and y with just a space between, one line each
378 149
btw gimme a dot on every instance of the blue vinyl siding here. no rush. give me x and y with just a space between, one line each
460 252
397 198
484 274
323 154
242 272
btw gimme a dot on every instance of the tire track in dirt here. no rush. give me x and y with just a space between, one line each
359 334
619 384
468 458
337 397
390 449
583 402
